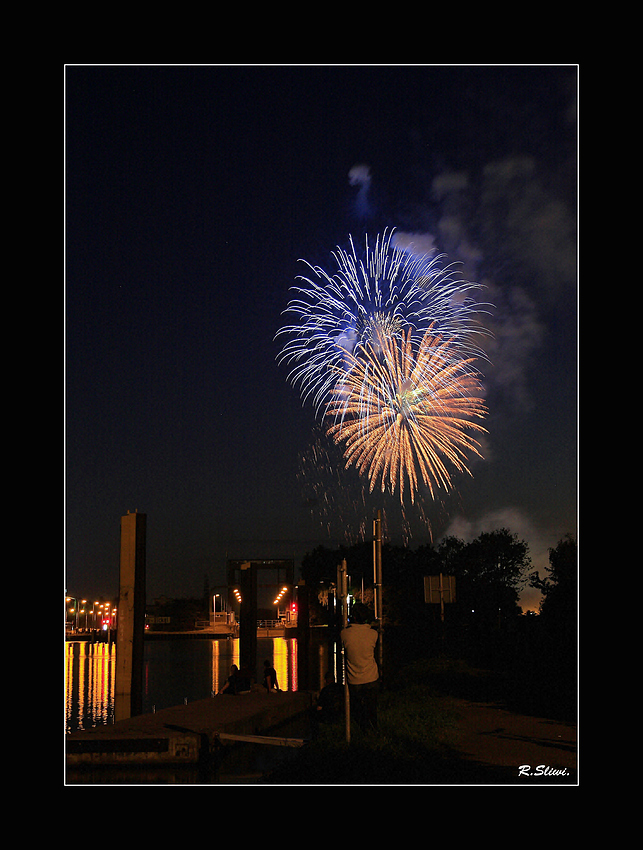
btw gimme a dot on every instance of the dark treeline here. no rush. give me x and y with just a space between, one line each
532 657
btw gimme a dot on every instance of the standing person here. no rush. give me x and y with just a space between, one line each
269 677
362 673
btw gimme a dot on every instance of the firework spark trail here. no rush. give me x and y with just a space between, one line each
367 300
404 411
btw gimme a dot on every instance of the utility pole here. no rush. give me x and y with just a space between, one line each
342 591
377 581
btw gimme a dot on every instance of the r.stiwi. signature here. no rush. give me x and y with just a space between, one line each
542 770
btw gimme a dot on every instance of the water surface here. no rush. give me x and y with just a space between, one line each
174 670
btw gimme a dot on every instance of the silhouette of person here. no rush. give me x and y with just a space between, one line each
238 682
232 684
270 677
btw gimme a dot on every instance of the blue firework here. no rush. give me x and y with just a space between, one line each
382 292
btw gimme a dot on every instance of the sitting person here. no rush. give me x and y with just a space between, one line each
238 682
270 677
231 686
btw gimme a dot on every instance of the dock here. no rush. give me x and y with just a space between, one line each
188 734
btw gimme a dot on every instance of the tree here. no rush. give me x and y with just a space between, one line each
560 587
557 626
490 570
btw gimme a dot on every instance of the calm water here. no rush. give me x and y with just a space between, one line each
174 670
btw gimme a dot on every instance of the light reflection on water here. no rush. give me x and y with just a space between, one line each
174 670
89 684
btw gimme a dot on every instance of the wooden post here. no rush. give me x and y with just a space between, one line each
128 696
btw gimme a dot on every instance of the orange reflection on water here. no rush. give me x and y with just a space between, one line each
222 661
284 659
173 670
89 684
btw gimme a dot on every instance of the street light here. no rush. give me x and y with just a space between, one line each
280 596
74 610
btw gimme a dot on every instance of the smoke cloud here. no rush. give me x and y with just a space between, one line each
515 521
360 175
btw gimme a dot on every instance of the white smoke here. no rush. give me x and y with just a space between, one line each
515 521
414 243
360 175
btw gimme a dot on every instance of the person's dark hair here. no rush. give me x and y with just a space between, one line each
360 613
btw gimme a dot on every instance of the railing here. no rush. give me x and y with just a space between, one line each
261 624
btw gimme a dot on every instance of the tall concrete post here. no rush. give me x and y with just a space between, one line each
128 700
248 622
303 636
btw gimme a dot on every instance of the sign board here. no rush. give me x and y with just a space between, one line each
439 588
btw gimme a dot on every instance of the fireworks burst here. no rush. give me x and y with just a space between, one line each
386 292
405 411
341 501
385 349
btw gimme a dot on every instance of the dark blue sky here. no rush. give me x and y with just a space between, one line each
191 193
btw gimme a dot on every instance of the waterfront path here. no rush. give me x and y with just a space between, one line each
488 744
185 734
493 743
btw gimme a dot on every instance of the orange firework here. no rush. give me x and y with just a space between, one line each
405 413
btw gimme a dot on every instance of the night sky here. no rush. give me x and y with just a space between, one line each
191 194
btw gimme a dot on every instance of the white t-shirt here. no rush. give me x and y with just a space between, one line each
359 642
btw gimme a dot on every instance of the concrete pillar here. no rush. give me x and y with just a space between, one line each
128 701
303 637
248 617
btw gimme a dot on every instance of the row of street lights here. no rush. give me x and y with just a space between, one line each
102 614
289 612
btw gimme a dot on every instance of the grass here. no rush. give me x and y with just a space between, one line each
411 745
